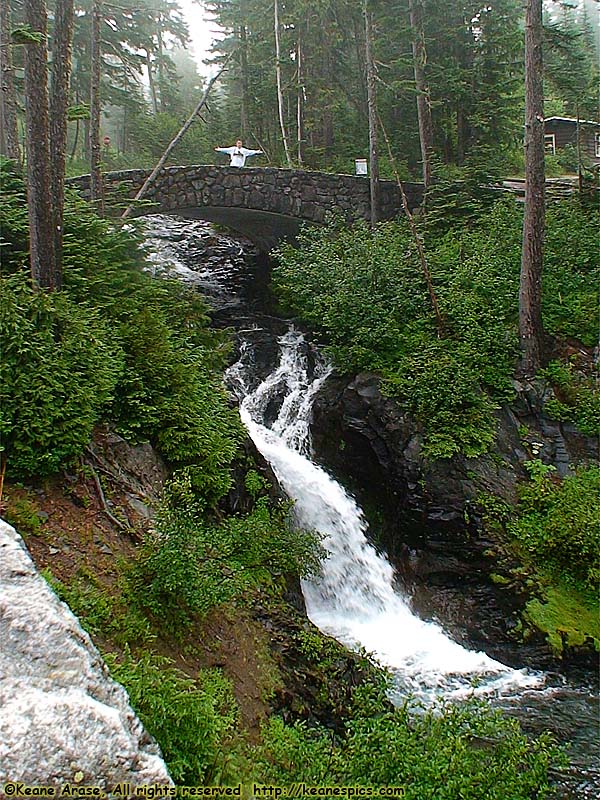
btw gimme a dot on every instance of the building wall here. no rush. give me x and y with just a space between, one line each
566 133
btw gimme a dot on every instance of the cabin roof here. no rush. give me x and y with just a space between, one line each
572 121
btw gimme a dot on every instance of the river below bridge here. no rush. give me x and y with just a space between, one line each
358 599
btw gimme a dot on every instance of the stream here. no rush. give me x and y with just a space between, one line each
357 597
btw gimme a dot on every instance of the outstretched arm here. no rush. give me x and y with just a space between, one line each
252 152
228 150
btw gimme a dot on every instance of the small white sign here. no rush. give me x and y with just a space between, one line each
361 166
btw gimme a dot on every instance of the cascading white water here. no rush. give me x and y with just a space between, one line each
354 599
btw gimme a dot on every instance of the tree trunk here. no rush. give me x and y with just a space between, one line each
284 136
244 102
361 66
151 83
299 99
423 102
62 44
372 108
124 131
9 132
85 140
95 106
41 227
462 135
579 160
530 293
161 65
75 141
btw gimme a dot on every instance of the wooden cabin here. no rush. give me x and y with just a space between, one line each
561 131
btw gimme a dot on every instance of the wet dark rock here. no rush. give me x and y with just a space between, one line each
425 513
137 468
308 661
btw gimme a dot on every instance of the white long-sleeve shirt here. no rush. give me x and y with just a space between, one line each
238 155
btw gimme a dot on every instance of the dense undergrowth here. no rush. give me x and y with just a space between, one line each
117 346
558 524
364 292
555 531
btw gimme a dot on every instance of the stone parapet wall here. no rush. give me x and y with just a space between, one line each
304 195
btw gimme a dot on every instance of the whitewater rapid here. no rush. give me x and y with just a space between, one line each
355 598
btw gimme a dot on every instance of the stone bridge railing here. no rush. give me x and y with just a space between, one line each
294 193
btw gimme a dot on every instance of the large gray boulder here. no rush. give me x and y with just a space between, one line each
61 715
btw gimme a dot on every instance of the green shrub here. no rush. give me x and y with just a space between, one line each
192 721
117 343
445 392
364 292
466 751
579 397
22 514
113 614
571 282
171 395
14 219
58 371
558 523
191 564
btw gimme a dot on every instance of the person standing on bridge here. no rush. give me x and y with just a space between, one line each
238 154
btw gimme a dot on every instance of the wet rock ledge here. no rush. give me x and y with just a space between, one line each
425 514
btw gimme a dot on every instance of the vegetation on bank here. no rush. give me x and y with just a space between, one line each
465 751
558 524
119 347
364 292
555 532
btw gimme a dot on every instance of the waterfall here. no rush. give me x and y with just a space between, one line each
355 598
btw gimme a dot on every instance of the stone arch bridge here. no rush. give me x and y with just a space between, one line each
265 204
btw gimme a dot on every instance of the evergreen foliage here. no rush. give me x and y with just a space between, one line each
190 564
363 291
193 721
578 397
58 372
465 751
473 71
558 525
116 345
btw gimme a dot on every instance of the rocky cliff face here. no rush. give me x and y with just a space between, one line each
425 513
63 718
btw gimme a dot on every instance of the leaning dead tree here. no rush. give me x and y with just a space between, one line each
188 124
418 240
